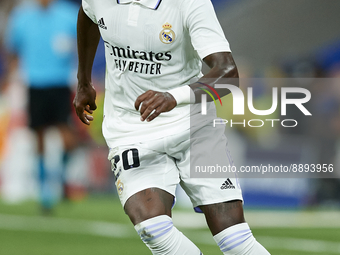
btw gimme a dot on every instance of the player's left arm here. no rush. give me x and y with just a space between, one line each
223 71
152 103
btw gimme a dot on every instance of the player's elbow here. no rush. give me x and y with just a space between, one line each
228 66
230 71
231 75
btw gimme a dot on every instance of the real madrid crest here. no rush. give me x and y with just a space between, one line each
120 187
167 35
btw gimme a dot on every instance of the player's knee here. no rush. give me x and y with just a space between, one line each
160 235
223 215
239 240
147 204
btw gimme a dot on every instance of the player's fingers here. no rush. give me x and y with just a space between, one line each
87 108
80 106
88 117
142 98
151 107
83 118
139 100
154 114
93 105
161 104
80 111
148 106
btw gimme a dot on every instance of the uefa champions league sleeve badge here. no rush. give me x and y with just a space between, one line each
167 35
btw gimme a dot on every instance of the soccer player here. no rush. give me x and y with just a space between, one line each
153 53
41 40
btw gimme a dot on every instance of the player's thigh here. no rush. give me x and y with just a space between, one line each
146 180
220 198
208 148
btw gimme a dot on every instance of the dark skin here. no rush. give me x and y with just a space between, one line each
153 202
222 67
87 41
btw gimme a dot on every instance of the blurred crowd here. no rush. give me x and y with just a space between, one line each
88 170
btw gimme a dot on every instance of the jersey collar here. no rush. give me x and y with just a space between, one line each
152 4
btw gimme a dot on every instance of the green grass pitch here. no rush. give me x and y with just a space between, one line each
98 226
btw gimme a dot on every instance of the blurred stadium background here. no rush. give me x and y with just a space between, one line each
269 39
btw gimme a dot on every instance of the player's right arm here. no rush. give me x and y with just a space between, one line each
87 41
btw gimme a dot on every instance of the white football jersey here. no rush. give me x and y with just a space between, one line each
151 45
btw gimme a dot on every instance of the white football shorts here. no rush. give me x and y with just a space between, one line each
165 162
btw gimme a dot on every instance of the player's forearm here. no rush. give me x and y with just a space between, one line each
87 41
223 71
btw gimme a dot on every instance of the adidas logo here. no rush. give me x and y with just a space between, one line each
227 185
102 24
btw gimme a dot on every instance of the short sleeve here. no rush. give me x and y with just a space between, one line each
88 9
207 36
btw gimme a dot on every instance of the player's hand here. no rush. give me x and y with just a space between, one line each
85 101
153 103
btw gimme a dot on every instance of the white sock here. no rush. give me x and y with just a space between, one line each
162 238
238 240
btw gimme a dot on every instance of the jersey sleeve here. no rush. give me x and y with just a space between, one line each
207 36
88 9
